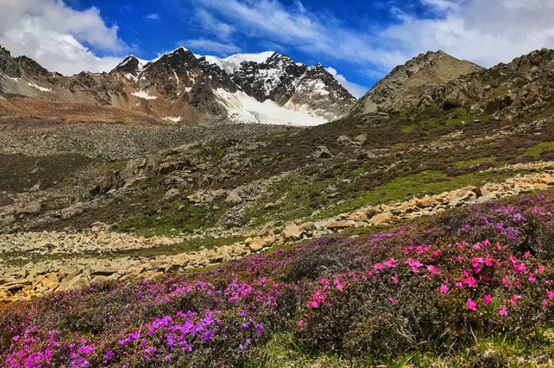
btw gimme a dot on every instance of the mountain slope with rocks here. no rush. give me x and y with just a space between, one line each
181 87
405 84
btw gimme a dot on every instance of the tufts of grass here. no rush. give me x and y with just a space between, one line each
475 162
173 219
19 173
401 188
538 149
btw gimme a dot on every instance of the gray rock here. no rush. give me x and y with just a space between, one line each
322 152
233 198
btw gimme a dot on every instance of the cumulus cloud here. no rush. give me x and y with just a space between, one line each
57 36
355 89
486 32
217 47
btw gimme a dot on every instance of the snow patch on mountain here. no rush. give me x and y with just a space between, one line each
174 119
144 95
42 89
243 108
232 63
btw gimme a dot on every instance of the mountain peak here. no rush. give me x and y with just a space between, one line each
234 62
405 84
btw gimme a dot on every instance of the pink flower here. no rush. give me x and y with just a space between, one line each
471 305
531 278
340 285
390 263
550 294
395 279
520 267
503 311
516 298
312 304
300 324
414 264
434 270
487 299
470 281
443 289
391 300
527 255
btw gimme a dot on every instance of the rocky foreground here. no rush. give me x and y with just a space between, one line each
35 264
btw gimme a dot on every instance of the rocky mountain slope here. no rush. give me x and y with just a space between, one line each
182 87
405 84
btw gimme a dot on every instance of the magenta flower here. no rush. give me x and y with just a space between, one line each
443 289
503 311
434 270
487 299
471 305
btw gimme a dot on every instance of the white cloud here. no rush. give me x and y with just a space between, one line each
153 16
219 48
212 25
486 32
355 89
55 35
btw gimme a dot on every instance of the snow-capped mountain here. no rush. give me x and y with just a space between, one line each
179 86
270 76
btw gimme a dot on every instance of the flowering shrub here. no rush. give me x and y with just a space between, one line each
430 285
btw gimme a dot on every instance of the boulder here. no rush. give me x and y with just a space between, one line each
233 198
322 152
171 194
292 232
380 218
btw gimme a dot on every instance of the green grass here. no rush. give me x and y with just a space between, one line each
300 199
282 351
401 188
19 173
499 91
434 119
475 162
114 165
536 150
174 219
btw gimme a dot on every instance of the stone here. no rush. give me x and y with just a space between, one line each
380 218
233 198
172 194
30 209
364 155
359 139
292 232
169 167
344 140
322 152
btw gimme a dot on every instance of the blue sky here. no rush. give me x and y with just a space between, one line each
152 27
361 40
